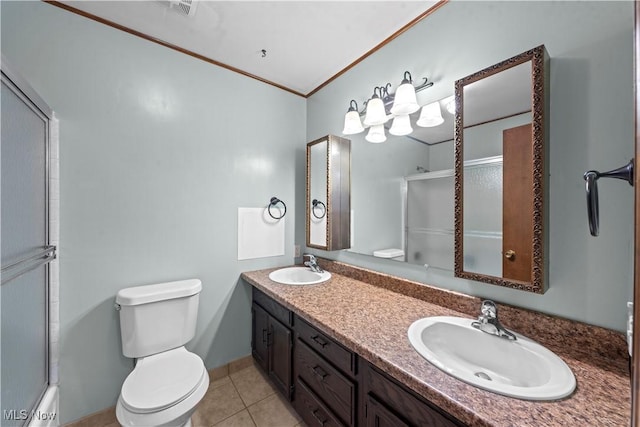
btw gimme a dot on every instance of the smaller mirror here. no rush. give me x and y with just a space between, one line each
500 138
328 200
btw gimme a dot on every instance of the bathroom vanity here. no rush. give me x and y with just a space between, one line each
323 378
339 351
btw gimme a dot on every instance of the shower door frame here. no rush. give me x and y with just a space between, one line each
23 90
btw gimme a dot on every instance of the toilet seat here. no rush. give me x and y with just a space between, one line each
162 380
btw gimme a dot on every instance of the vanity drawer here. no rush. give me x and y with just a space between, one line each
400 402
326 347
336 390
312 410
276 310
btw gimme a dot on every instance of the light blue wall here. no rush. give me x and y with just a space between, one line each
157 152
591 127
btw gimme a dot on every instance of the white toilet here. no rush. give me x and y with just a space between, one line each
156 321
393 253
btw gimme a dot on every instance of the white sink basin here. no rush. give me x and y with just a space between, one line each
298 276
520 368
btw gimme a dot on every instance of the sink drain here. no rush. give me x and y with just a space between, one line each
483 376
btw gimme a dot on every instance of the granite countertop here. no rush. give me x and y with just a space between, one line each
370 312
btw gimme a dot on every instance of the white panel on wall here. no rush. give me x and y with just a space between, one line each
259 235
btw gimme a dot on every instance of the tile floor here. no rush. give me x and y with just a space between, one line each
244 398
239 395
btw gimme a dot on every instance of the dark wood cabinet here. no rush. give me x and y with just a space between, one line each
280 350
272 343
321 378
377 415
259 336
312 410
333 386
388 403
325 373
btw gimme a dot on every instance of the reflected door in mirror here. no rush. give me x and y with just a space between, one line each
517 222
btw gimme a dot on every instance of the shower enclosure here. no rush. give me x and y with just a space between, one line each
429 202
26 253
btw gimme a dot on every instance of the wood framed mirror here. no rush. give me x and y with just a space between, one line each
500 141
328 198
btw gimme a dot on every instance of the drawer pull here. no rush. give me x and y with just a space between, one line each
315 413
319 372
318 340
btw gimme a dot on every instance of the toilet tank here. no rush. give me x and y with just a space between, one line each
156 318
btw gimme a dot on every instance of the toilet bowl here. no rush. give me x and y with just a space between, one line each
163 390
156 321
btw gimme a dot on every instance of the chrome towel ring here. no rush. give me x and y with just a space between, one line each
273 202
318 204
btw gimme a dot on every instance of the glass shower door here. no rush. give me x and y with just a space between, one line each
24 255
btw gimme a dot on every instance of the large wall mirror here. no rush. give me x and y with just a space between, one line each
328 199
500 174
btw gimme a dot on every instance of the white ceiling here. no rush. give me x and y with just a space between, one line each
306 42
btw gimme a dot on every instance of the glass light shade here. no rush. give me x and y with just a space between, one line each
405 100
430 115
450 105
375 112
401 126
376 134
352 124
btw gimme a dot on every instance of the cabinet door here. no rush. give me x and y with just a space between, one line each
280 341
379 416
259 336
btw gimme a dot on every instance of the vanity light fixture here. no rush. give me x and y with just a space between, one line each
450 104
401 126
376 134
430 116
383 106
376 113
352 123
405 101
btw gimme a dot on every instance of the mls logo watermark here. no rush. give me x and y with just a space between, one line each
23 414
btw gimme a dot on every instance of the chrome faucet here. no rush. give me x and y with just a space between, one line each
312 263
488 321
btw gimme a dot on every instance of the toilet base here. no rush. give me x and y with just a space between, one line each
178 415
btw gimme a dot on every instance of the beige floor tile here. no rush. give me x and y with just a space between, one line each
219 382
218 404
105 418
217 373
241 419
240 364
252 385
274 411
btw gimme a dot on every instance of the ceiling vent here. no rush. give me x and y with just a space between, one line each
184 7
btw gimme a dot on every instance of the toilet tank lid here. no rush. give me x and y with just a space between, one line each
158 292
388 253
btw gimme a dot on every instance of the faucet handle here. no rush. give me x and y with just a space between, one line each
489 309
309 257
